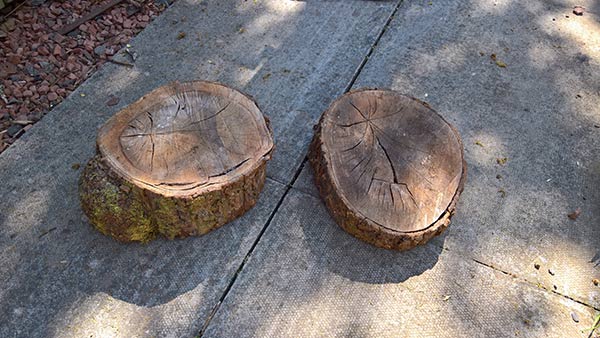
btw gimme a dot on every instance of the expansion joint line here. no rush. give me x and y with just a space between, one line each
296 174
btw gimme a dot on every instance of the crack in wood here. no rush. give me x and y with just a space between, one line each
372 178
358 110
151 140
351 124
213 115
227 171
388 158
412 197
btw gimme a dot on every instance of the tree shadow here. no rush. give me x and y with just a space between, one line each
524 108
532 108
58 273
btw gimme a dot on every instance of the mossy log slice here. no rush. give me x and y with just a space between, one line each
181 161
389 168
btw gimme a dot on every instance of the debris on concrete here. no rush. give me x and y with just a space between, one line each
502 192
578 10
112 101
574 214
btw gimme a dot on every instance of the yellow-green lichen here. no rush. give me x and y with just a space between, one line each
167 217
143 231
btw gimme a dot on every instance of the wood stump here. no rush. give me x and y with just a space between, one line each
184 159
389 168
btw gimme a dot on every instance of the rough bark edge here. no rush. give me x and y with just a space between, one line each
363 228
129 213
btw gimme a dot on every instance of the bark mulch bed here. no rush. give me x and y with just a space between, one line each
39 66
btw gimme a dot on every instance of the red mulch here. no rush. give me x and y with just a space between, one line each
39 67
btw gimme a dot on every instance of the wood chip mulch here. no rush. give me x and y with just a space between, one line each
39 66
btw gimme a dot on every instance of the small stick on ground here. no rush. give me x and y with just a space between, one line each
93 13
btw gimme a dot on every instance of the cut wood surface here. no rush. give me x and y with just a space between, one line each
389 168
184 159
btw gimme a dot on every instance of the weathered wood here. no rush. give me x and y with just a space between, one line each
389 168
181 161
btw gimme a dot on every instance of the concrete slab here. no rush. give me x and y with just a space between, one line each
540 112
59 277
308 278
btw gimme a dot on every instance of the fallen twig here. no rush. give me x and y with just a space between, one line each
13 10
22 122
120 63
46 232
92 14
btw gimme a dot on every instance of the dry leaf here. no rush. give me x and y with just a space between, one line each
500 64
502 193
575 317
479 143
574 214
112 101
578 10
501 160
181 35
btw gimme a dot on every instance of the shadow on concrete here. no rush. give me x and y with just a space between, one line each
538 111
52 262
528 111
354 259
59 276
358 261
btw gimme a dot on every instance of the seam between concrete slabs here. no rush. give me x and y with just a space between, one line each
289 186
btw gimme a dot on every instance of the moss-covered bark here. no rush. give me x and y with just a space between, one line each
128 212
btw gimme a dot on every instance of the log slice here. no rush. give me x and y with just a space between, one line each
389 168
184 159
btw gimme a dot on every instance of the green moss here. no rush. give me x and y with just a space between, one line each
167 218
112 211
124 211
142 232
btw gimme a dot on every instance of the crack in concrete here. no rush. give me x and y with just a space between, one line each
525 280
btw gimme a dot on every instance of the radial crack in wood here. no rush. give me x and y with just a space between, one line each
184 159
389 168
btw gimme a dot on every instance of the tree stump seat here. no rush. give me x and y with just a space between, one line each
389 168
184 159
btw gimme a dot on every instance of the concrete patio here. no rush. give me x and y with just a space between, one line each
285 269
